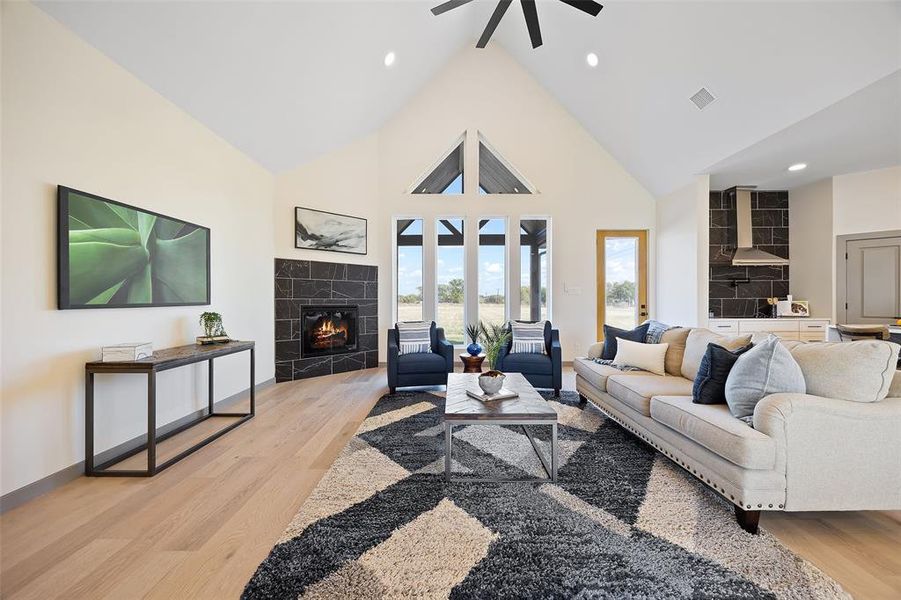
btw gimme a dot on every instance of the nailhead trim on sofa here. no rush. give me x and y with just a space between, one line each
704 478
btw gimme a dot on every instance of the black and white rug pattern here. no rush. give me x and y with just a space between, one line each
621 522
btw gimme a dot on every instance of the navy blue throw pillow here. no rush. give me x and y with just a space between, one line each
639 334
710 383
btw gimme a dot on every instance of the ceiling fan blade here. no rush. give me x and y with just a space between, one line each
493 22
449 5
531 15
587 6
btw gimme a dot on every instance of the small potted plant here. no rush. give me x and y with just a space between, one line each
494 337
214 332
474 348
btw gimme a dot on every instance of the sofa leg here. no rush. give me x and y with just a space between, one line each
582 399
556 393
392 389
748 519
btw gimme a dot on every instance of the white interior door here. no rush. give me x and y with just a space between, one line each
873 279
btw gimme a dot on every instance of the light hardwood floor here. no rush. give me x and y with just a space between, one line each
200 528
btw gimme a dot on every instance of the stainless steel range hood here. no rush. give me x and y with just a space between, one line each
745 254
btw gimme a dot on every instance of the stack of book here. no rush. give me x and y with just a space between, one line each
126 352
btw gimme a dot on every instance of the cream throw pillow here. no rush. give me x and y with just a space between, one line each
696 346
650 357
860 371
676 338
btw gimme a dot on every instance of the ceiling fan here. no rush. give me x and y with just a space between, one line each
529 11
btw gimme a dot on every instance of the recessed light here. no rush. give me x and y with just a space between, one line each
592 59
798 167
390 58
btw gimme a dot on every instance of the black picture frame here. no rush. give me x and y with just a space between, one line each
365 221
62 253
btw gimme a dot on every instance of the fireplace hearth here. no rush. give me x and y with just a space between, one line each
328 330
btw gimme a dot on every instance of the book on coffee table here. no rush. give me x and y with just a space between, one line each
503 394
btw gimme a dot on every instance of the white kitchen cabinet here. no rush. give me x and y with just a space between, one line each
804 329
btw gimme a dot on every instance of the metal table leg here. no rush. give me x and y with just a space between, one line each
448 446
554 452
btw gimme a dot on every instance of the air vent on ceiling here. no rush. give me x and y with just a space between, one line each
702 98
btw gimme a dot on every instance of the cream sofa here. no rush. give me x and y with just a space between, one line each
805 452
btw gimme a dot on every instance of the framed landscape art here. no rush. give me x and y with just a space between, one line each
112 255
320 230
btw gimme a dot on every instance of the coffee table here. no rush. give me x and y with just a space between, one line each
528 410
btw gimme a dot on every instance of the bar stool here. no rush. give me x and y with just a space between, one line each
849 333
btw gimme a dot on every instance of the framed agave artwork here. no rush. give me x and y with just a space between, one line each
112 255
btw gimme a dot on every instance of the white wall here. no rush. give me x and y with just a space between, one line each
581 187
812 254
682 254
73 117
868 201
865 202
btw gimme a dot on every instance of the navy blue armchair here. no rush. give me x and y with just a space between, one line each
541 370
420 368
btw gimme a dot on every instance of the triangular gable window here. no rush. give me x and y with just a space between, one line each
496 175
447 176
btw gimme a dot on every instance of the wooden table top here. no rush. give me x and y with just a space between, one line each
528 406
169 358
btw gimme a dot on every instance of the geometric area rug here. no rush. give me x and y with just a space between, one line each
622 521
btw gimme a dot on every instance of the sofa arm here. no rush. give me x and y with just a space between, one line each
836 454
392 358
445 349
556 359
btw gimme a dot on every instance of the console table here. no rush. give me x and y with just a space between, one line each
162 360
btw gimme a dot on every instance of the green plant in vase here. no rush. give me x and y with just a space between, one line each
494 337
211 322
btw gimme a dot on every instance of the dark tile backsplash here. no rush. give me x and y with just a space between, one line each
742 291
304 282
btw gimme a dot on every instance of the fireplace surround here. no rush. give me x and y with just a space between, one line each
303 287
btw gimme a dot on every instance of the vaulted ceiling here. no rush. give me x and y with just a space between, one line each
286 82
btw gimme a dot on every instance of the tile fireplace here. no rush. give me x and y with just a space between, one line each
326 318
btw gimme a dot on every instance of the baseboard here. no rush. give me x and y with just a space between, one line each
50 482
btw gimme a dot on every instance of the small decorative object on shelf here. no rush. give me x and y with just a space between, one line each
213 331
491 382
474 348
126 352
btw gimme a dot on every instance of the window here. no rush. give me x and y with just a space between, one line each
496 175
447 176
450 279
533 266
468 280
408 235
492 270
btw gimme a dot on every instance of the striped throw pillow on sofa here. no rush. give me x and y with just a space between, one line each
527 337
413 337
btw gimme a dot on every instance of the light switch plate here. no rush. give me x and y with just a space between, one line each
572 290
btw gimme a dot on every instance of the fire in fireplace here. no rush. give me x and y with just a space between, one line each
328 330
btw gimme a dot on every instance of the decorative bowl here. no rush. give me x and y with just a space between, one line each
491 382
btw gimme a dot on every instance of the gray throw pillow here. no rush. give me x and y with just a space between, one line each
767 368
